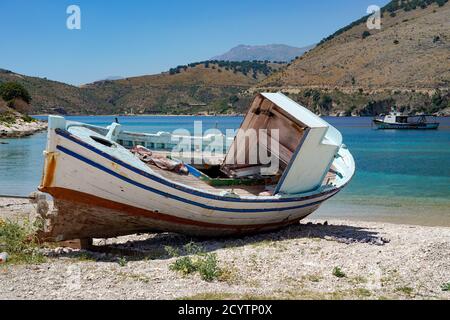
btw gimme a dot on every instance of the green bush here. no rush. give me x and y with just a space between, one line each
205 264
7 118
337 272
13 90
122 261
208 267
27 118
20 242
185 265
365 34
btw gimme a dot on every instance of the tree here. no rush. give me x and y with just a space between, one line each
365 34
13 90
437 99
326 101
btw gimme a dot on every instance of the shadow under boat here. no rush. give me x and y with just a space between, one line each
154 246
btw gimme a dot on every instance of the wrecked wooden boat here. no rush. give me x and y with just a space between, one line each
105 182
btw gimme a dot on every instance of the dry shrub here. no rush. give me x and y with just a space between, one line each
3 106
20 106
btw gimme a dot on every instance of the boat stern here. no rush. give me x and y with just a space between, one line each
50 153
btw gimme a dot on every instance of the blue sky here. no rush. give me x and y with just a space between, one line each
135 37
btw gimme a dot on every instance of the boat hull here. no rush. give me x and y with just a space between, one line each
98 196
406 126
78 216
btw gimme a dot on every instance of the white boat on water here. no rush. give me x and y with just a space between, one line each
101 188
398 120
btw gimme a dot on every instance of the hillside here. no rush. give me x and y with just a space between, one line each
352 72
56 97
207 87
272 52
406 63
202 87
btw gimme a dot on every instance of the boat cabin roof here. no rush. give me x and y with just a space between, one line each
305 149
303 115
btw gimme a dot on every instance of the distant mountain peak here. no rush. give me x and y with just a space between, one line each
112 78
271 52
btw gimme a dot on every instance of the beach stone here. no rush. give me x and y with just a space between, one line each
3 257
288 263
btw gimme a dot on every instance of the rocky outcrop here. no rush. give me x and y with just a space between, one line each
21 128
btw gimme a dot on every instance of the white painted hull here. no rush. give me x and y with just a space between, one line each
97 195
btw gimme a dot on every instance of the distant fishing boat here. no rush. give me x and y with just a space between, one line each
106 182
398 120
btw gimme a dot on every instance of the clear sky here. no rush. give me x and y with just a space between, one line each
135 37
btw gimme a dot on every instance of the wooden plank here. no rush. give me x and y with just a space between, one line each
190 180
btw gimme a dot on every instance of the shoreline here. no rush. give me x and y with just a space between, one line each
144 115
21 128
194 115
377 260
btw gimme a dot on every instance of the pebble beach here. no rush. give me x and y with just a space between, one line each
317 259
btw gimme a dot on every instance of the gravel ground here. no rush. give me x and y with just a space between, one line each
379 260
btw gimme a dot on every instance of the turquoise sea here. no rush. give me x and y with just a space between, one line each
402 176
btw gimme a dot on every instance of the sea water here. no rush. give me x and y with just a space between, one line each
401 175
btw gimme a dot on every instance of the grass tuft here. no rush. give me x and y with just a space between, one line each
337 272
205 264
406 290
7 118
445 286
122 261
20 242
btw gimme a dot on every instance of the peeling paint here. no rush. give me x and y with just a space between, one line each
49 170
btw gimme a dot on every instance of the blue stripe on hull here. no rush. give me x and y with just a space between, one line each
172 196
68 136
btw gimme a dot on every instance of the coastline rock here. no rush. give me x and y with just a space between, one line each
21 128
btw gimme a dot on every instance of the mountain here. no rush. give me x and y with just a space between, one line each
113 78
361 71
272 52
353 71
206 87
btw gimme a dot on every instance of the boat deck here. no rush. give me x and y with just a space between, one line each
241 190
190 180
